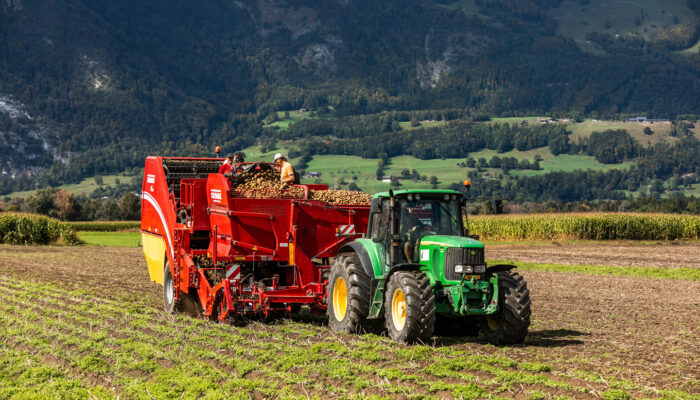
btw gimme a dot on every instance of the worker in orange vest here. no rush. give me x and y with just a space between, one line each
286 169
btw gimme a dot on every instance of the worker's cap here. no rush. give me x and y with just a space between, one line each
230 155
277 156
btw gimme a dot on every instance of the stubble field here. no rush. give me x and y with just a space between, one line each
86 322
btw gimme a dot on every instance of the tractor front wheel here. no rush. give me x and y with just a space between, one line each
409 307
510 325
348 295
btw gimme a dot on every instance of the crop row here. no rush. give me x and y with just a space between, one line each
23 228
142 353
619 226
104 226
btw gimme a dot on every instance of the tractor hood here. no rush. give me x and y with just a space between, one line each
450 241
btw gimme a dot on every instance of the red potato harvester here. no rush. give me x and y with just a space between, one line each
238 255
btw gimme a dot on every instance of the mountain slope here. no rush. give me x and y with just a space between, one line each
115 81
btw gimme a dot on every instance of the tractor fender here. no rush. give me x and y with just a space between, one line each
499 268
403 267
359 249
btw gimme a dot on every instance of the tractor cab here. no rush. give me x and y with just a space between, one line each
423 226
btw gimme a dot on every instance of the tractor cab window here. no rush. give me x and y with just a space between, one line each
380 223
434 216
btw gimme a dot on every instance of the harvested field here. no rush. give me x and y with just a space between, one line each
86 322
620 254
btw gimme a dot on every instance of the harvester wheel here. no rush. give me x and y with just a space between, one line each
348 296
510 325
409 307
171 304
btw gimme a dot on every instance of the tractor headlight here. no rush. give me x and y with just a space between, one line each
463 269
470 269
410 197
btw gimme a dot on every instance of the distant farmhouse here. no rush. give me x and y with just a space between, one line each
645 119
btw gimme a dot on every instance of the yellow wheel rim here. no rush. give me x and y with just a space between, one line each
340 299
398 309
493 323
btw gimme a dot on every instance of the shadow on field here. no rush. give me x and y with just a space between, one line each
541 338
554 337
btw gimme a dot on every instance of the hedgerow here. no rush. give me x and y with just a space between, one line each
22 228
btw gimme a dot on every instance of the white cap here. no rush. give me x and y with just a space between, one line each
278 155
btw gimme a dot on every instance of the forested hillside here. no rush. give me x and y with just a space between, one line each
92 87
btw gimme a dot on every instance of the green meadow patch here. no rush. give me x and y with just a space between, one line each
687 274
111 239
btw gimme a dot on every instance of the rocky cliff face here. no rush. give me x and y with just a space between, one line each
26 142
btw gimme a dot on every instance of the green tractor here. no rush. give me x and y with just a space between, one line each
418 269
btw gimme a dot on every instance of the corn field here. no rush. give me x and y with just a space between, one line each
612 226
23 228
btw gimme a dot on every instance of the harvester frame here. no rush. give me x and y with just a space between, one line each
238 256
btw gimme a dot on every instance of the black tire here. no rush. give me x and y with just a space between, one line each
348 296
510 325
457 326
417 312
172 305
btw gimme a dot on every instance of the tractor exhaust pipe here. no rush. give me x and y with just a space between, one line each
393 230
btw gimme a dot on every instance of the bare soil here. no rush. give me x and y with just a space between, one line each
620 254
640 331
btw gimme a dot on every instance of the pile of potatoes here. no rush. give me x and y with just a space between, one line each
267 185
347 197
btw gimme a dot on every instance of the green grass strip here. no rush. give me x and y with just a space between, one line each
111 239
686 274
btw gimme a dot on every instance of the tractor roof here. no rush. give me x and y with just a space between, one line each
414 191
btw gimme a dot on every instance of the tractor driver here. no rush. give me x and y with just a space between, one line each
286 170
238 159
414 229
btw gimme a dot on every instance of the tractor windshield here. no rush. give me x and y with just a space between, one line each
436 216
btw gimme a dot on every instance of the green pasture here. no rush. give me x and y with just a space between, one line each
111 239
662 130
423 124
333 167
86 186
576 21
550 162
294 117
470 8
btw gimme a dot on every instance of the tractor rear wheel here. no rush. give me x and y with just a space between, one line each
172 305
348 295
409 307
510 325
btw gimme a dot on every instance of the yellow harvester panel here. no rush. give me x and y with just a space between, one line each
154 250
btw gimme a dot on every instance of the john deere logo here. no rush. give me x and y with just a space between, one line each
473 252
